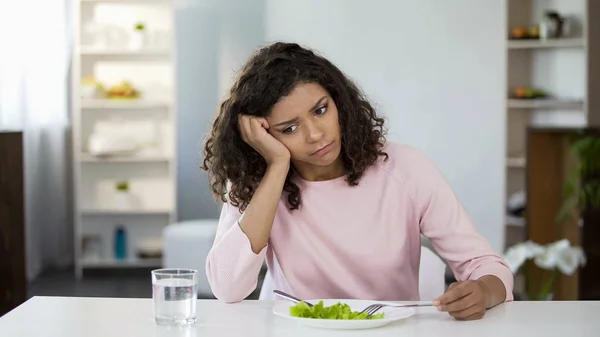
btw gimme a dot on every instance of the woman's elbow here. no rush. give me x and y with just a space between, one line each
229 293
226 288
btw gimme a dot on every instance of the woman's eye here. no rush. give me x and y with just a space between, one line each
290 129
321 110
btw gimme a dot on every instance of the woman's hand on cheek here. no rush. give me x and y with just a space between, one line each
254 131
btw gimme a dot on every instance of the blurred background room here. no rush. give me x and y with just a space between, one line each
104 106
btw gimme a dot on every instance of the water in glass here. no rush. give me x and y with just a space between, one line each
175 293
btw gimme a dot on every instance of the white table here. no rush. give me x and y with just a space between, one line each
104 317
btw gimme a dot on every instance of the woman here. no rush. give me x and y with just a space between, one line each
309 182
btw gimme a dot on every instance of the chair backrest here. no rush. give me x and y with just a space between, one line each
432 275
432 282
266 290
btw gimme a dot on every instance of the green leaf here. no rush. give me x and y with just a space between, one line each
547 286
593 190
300 310
571 183
595 146
567 210
583 197
583 146
336 311
577 195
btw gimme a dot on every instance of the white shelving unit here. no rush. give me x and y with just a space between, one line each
561 67
102 32
88 158
516 162
123 52
139 211
125 105
127 1
571 105
537 44
128 263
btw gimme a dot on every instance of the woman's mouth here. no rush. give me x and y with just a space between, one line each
323 151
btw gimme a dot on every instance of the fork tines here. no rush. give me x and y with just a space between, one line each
371 309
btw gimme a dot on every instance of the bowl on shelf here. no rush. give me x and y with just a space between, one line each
528 93
523 33
123 90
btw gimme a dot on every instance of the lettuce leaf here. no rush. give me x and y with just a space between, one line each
336 311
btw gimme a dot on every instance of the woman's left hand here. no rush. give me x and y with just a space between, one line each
464 300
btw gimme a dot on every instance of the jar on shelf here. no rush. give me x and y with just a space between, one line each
552 25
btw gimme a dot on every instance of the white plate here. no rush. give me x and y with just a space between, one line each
282 308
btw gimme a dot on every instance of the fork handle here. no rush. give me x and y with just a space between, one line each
413 305
395 306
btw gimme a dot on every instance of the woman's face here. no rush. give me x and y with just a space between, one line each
306 122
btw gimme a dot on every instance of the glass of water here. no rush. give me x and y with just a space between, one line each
175 292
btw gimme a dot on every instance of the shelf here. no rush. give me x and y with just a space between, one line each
515 103
516 162
543 44
116 212
108 52
114 263
89 158
515 221
123 104
126 1
149 167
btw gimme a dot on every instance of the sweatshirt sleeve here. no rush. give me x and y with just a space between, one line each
446 223
232 267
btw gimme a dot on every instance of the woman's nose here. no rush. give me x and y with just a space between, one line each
314 133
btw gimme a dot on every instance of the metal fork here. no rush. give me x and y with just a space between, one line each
373 308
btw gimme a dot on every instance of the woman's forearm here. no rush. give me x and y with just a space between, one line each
258 217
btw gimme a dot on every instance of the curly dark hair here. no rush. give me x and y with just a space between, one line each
270 74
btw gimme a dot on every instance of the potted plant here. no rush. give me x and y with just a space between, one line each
582 188
91 88
556 258
138 36
124 199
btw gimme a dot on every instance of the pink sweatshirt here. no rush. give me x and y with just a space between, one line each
357 242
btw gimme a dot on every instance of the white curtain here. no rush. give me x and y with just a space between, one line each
34 77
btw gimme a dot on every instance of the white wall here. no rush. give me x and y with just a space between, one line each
196 28
435 68
214 38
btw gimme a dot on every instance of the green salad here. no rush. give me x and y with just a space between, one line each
336 311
